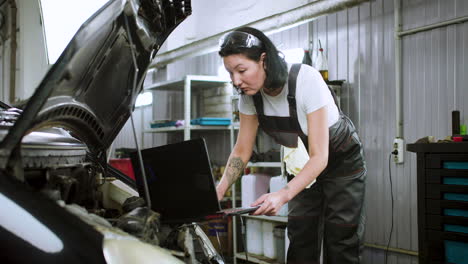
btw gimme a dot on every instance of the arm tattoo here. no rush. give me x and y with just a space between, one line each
235 169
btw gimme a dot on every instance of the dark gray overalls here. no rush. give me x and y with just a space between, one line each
332 209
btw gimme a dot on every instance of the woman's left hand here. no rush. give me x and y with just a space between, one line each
270 203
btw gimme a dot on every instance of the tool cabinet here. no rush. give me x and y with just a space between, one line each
442 177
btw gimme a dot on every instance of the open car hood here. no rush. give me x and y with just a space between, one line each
92 88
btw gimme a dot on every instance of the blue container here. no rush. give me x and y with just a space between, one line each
455 181
456 228
456 165
166 124
211 121
456 197
456 212
455 252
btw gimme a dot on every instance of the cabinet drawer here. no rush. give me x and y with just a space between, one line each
447 192
437 222
446 176
447 251
437 207
447 246
447 161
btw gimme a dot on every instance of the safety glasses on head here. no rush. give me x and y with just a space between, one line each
239 39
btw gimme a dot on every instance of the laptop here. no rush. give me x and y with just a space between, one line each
180 182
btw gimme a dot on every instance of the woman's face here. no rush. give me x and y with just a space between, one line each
246 74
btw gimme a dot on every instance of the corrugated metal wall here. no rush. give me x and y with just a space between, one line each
359 43
360 47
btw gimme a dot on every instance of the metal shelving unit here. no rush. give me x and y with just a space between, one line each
255 259
264 164
187 84
182 128
277 219
233 191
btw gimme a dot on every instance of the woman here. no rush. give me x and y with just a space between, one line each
290 102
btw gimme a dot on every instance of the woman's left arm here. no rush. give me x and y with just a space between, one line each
317 130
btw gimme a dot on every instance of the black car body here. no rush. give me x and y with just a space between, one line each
56 145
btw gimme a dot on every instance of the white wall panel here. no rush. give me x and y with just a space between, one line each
461 68
31 62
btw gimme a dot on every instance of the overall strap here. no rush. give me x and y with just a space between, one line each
292 80
292 89
258 103
293 72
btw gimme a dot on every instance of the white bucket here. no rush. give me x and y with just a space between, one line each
253 186
254 236
279 233
269 246
276 184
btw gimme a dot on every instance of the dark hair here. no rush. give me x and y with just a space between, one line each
275 67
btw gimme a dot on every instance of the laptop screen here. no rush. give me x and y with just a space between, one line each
180 181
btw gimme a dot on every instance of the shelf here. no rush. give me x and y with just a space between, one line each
279 219
181 128
256 259
264 164
196 82
229 199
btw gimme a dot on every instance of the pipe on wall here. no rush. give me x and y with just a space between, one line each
390 249
2 62
2 85
2 56
13 47
398 66
399 33
458 20
268 25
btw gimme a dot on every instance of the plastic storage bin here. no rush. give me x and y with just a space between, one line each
253 186
123 165
276 184
254 236
269 245
163 124
279 234
455 252
211 121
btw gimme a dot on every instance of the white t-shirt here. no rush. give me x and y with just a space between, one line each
312 93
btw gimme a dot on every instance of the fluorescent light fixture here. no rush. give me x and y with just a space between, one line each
62 19
293 55
143 99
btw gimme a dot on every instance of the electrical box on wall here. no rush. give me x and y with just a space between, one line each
398 150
